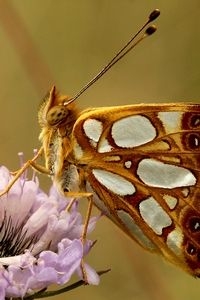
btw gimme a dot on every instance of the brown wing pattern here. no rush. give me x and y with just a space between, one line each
143 164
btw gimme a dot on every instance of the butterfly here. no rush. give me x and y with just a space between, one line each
140 162
140 165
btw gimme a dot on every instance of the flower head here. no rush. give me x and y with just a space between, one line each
40 240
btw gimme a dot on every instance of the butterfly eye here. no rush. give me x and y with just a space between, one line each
56 115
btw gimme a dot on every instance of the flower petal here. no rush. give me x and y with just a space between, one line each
91 274
49 236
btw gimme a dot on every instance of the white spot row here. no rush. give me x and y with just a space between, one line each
127 132
125 219
152 214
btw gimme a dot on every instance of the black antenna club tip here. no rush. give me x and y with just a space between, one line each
154 15
150 30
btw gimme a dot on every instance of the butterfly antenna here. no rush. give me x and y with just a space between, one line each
132 43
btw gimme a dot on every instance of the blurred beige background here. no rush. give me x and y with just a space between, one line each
65 43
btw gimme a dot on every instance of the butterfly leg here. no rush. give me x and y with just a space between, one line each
82 184
84 235
29 163
86 223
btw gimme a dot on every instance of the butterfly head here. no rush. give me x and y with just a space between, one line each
55 111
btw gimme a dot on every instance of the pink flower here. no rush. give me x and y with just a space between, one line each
40 241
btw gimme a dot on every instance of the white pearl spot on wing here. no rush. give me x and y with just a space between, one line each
133 131
185 192
158 174
175 240
154 215
171 120
93 129
128 164
78 151
171 201
111 158
196 122
97 201
104 146
196 142
114 182
93 144
135 230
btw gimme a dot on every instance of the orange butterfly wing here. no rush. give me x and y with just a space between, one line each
142 163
